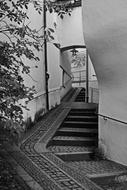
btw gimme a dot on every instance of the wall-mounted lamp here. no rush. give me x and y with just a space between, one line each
74 52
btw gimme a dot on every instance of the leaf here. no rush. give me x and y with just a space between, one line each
61 16
50 10
51 30
26 6
52 37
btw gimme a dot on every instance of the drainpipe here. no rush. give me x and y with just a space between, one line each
87 77
45 57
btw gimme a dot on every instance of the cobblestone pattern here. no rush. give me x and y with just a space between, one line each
44 166
45 125
40 124
46 163
71 172
97 167
53 173
34 171
57 149
46 169
55 125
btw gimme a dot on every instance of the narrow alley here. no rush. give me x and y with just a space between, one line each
63 95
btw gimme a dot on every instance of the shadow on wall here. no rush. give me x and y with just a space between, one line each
38 116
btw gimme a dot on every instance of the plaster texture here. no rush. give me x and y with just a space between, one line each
105 32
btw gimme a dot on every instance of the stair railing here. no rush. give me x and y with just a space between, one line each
111 118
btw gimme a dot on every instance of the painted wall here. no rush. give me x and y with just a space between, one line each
38 104
37 75
70 31
105 32
56 60
65 64
71 36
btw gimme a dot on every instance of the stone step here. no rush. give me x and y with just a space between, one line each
58 149
73 141
80 96
75 156
108 174
116 181
81 93
81 112
80 100
80 124
85 132
81 118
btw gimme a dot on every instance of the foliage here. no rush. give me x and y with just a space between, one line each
60 8
78 60
9 178
18 41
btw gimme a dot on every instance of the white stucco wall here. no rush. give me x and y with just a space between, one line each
55 75
70 31
55 59
65 63
37 75
105 31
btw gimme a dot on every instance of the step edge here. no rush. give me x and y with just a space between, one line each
74 153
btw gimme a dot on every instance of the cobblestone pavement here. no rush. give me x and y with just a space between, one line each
48 170
45 168
97 167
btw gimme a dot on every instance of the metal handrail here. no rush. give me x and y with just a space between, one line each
111 118
79 71
44 93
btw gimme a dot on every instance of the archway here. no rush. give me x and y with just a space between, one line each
82 71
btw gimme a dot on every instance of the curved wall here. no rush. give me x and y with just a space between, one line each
105 31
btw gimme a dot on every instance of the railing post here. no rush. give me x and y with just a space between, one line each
45 57
87 77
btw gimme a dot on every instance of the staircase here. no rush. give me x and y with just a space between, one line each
77 137
81 96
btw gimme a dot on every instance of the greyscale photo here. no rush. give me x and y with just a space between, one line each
63 94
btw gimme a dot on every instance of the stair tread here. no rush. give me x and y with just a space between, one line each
80 116
73 153
84 130
71 148
107 174
83 110
80 122
72 138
